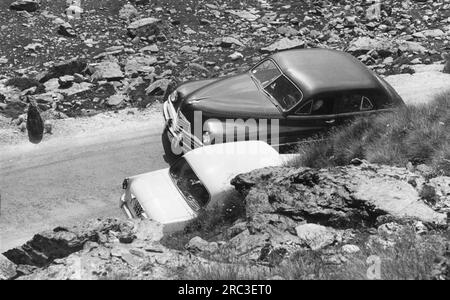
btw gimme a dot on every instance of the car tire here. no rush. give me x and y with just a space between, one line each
169 156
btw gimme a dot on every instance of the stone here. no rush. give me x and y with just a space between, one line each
433 33
115 100
144 27
67 30
128 12
227 42
384 47
243 14
158 87
374 12
25 5
350 249
66 81
48 127
140 64
284 44
197 244
7 268
67 67
316 236
107 70
34 47
236 56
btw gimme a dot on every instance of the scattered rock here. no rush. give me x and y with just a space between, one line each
197 244
158 87
107 70
67 30
284 44
116 100
144 27
25 5
128 12
316 236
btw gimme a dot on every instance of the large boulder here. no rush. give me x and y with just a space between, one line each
25 5
340 197
144 27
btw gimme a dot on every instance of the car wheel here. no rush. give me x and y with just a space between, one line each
169 156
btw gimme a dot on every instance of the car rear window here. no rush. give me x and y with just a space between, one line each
189 184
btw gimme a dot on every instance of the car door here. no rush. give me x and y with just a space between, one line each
312 117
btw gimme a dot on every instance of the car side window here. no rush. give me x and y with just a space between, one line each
366 104
323 106
355 103
305 109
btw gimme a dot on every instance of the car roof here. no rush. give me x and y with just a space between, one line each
317 71
216 165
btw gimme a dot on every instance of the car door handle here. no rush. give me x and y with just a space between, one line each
331 121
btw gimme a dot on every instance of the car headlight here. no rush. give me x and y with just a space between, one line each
207 138
173 97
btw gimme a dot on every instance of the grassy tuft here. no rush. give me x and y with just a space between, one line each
417 134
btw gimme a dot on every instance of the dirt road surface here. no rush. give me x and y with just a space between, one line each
76 174
69 179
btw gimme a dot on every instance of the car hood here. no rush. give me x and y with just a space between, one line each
160 198
235 96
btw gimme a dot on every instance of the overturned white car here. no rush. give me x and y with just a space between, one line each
197 181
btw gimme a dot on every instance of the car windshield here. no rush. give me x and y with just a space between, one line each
277 85
189 184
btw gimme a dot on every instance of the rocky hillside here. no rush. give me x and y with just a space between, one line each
112 54
328 220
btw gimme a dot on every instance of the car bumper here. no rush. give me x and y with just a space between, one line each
125 206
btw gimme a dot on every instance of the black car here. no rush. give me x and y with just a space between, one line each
284 98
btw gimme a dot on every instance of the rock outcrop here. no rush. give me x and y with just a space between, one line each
100 249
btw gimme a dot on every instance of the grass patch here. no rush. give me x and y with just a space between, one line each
417 134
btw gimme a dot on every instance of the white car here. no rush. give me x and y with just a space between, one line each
198 180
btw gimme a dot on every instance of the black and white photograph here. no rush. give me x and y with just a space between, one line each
224 147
